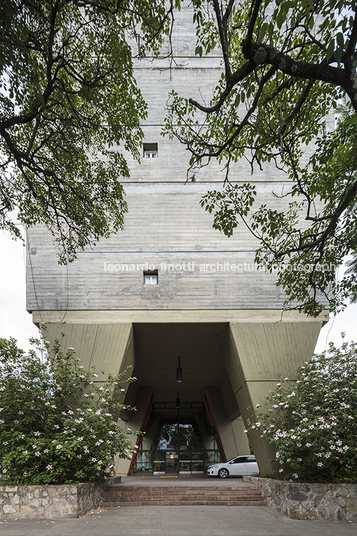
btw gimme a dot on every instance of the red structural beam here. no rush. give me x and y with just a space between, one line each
215 433
141 436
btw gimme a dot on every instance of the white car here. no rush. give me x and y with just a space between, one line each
239 466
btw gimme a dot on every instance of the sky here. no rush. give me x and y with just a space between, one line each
16 322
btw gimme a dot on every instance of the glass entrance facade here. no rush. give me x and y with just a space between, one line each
177 440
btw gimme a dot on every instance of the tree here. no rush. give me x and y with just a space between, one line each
69 108
312 422
286 66
58 421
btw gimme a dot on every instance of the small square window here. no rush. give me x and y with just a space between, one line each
150 150
151 278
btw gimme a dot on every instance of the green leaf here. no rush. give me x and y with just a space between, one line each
330 50
340 39
198 50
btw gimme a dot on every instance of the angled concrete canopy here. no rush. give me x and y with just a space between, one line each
228 366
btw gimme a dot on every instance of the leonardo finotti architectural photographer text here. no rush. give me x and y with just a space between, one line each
213 267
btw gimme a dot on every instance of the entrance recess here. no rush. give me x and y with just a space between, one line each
177 440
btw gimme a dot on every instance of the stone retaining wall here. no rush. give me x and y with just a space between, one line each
309 501
51 501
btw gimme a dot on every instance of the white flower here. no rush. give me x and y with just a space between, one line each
48 466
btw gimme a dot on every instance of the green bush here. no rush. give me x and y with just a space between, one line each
312 421
58 422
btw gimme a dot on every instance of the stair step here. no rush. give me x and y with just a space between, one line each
183 503
119 495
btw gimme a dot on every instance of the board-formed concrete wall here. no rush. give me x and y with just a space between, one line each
165 229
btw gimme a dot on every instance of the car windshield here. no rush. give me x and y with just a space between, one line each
242 459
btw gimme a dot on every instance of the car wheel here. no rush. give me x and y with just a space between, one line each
223 473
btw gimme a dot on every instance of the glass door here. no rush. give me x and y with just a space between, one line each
177 441
172 462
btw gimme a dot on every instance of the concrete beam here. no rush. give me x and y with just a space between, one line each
230 432
107 347
136 423
180 316
255 355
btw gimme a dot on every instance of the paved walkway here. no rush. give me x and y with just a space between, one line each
185 520
178 521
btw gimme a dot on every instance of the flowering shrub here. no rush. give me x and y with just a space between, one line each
58 422
313 421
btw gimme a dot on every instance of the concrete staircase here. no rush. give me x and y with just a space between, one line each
185 495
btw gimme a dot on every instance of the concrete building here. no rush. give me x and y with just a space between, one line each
170 287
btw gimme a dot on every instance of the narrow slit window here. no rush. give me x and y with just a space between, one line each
150 150
151 278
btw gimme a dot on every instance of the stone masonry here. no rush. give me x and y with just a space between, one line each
51 501
309 501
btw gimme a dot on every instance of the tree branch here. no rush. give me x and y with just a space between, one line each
262 54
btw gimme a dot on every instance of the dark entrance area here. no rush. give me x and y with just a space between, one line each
178 440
